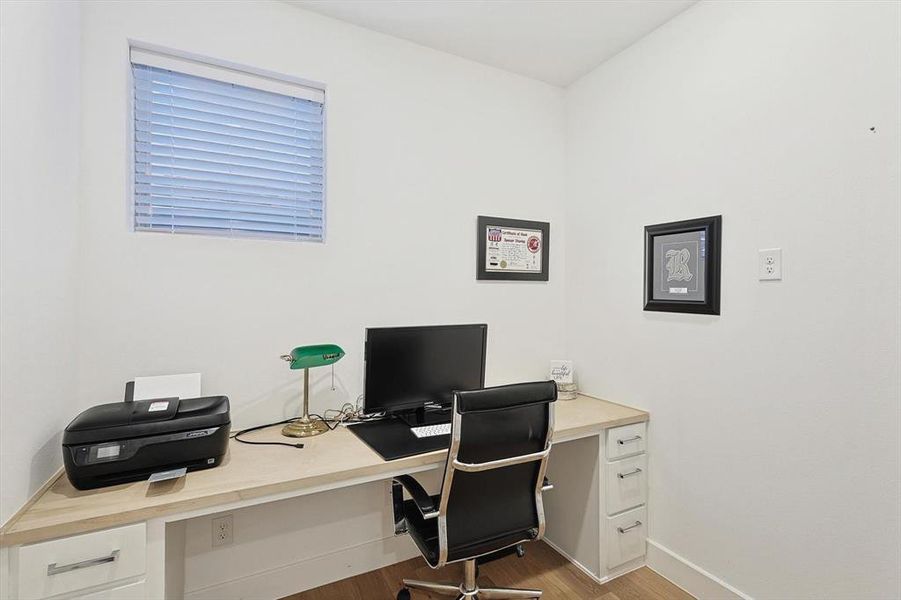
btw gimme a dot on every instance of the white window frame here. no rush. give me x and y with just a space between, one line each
244 75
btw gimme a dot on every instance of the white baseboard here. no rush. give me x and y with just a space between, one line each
689 576
347 562
308 574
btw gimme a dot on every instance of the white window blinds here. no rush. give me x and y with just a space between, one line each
224 152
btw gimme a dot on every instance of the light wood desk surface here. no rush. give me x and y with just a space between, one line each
331 460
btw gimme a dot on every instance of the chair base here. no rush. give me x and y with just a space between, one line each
469 589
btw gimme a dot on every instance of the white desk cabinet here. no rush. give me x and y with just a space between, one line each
78 565
597 511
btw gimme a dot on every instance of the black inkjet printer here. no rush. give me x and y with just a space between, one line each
127 441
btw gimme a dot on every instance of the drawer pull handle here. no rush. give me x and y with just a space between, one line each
625 529
113 556
634 438
635 471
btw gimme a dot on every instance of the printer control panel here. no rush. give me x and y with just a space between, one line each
105 452
93 454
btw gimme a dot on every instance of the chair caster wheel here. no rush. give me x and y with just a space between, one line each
520 551
404 594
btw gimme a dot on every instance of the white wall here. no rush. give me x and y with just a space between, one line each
281 548
775 427
419 144
39 109
775 439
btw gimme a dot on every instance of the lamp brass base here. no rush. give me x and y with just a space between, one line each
304 427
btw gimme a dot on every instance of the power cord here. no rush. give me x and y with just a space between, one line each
348 413
236 436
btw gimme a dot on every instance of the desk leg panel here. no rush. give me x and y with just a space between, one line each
8 573
155 581
573 507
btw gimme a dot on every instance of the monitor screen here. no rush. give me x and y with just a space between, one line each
409 367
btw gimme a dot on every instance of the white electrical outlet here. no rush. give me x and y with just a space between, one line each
769 264
223 530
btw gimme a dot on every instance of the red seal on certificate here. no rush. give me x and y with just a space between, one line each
534 244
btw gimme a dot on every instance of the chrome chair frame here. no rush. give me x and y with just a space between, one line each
469 589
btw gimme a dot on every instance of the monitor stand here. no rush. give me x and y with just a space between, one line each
423 416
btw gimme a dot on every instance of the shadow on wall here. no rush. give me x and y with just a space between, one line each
45 462
288 397
667 317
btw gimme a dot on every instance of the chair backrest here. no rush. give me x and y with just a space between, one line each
491 493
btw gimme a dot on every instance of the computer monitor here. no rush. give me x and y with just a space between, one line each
411 368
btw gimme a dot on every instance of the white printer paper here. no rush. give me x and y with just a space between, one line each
166 475
167 386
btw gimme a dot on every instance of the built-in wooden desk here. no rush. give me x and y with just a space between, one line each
249 472
257 474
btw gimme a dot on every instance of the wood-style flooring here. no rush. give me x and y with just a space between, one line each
541 568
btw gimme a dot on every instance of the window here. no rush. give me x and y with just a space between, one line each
224 152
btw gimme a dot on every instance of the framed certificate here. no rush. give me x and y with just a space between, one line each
512 249
682 266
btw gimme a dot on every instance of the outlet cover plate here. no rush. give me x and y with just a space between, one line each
223 530
769 264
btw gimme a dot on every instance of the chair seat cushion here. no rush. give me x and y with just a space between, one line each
425 534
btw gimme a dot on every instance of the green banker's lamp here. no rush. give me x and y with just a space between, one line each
305 357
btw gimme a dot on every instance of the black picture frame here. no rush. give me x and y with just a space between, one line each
712 228
483 223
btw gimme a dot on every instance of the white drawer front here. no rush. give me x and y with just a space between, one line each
626 535
626 441
82 561
627 483
132 591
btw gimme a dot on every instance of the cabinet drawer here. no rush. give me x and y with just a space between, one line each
627 483
626 440
626 534
132 591
82 561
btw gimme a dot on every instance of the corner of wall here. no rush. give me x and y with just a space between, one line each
40 90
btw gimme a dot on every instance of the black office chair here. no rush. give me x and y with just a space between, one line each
490 497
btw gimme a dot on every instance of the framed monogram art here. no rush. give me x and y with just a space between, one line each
682 266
